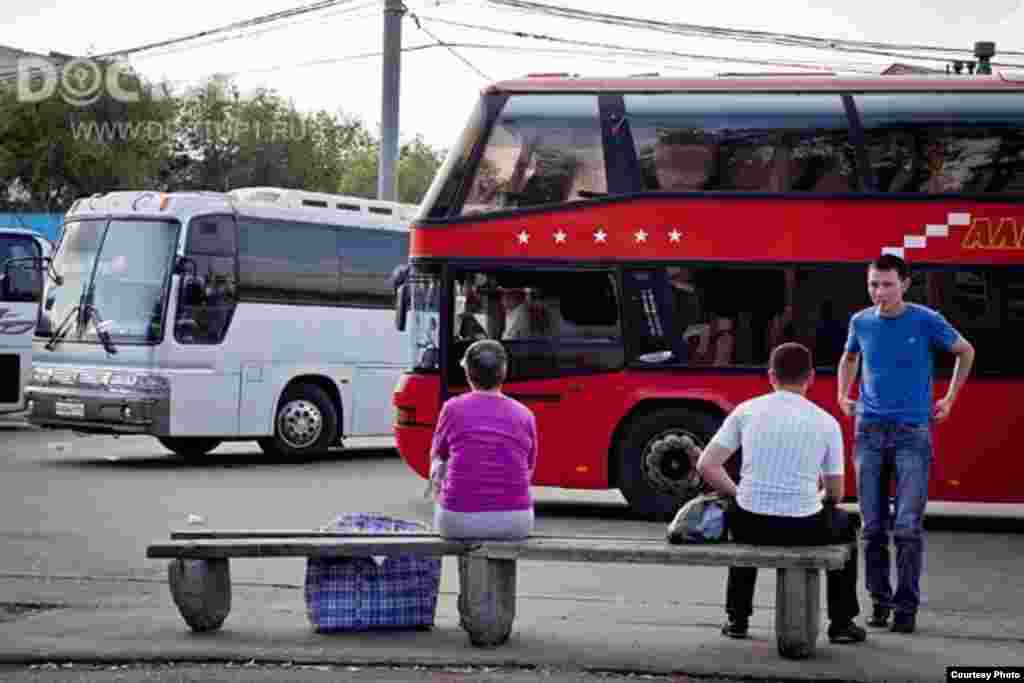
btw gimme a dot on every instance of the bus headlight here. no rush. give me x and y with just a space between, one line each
145 382
42 376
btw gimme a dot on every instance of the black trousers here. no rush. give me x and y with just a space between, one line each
829 526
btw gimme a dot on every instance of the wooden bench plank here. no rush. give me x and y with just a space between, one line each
650 551
307 547
597 549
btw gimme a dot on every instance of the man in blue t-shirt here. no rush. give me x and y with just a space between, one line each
893 433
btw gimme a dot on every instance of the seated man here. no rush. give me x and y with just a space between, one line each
788 444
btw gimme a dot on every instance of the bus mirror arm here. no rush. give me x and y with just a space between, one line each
401 306
181 264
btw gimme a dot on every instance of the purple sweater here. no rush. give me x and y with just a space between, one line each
490 442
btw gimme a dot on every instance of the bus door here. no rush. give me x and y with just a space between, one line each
207 401
562 335
21 281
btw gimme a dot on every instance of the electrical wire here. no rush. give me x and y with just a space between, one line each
450 49
245 23
723 33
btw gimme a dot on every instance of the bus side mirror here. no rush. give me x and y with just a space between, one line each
402 297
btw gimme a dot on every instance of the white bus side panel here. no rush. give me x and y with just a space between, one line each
358 349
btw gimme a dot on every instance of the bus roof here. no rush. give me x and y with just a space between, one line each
787 83
292 205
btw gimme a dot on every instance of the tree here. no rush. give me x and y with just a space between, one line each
417 165
56 151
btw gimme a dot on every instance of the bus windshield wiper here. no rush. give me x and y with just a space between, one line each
62 329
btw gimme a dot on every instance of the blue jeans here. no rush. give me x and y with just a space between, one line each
885 453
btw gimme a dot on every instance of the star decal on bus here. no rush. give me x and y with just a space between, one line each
523 237
640 236
560 237
600 236
675 236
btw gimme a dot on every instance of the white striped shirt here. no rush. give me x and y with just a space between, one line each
787 442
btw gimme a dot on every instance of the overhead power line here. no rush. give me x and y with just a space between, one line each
747 35
462 59
813 66
245 23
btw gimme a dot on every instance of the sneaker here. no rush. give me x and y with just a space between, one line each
904 622
847 632
735 628
879 617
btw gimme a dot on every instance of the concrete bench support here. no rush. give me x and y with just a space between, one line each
487 599
201 583
202 591
797 612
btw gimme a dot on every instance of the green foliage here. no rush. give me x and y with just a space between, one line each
417 164
210 137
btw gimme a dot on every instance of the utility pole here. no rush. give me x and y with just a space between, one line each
390 78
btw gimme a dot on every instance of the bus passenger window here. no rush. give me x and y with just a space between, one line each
534 157
683 163
936 143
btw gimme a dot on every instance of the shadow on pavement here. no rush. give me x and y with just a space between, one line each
221 461
588 510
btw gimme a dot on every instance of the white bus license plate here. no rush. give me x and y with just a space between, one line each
70 409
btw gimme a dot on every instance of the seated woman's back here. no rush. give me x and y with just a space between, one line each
485 445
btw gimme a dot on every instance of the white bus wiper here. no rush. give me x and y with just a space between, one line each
62 329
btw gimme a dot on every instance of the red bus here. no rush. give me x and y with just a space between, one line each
639 245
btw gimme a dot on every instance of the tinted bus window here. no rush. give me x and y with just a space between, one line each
21 282
944 142
368 257
543 149
288 262
690 142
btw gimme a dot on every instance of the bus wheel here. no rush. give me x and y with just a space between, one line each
188 447
306 422
654 468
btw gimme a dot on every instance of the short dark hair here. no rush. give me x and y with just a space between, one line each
791 363
486 363
891 262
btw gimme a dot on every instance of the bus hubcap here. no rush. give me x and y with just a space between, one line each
666 464
300 423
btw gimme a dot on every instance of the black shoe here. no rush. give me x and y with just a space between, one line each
847 632
879 617
735 628
904 622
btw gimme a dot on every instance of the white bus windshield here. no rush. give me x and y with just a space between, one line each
116 273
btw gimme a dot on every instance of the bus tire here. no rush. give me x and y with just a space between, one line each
189 446
305 422
653 468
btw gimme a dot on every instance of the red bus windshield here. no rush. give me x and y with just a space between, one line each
640 251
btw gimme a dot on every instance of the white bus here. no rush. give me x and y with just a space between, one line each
206 317
21 254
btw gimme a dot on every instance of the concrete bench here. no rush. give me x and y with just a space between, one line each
201 584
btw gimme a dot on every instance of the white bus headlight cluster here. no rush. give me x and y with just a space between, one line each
113 381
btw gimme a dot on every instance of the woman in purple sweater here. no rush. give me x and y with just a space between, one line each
483 454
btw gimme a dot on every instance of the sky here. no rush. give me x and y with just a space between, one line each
325 60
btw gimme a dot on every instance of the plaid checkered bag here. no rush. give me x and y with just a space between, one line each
363 593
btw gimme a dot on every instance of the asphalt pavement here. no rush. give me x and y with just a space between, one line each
54 627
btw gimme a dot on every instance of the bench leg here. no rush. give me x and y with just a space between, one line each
487 599
202 591
797 612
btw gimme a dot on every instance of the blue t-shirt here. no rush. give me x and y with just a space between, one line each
896 362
